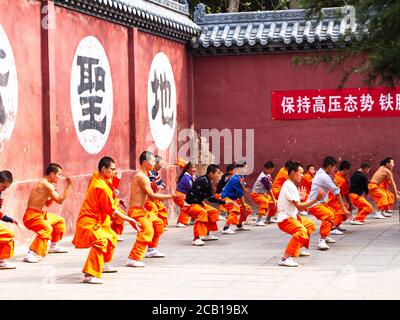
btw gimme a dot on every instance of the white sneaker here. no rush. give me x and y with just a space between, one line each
108 269
31 257
356 222
260 223
198 242
56 249
242 228
135 263
228 231
120 239
92 280
336 232
330 240
166 229
288 262
180 225
378 215
154 254
221 217
304 252
5 265
322 245
386 214
209 238
303 213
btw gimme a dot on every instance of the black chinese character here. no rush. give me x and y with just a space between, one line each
87 84
86 64
3 83
92 110
165 99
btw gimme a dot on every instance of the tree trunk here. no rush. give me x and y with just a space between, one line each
233 5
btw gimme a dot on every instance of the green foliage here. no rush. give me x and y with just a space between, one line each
218 6
375 55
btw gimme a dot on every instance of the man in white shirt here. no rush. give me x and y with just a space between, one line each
290 221
321 210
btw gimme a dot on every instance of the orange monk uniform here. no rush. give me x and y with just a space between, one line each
117 223
6 242
279 180
291 222
236 211
333 202
379 195
158 208
93 229
301 229
46 225
205 216
152 228
265 203
390 196
306 183
359 186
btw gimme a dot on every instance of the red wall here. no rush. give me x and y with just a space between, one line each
235 92
44 130
146 46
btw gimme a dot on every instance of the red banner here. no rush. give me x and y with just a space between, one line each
344 103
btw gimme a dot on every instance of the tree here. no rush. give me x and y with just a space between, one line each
375 53
220 6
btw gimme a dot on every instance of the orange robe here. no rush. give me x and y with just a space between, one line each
327 216
236 211
93 228
279 180
306 183
300 229
152 228
265 203
6 242
46 225
117 223
158 208
363 206
180 201
205 216
333 202
390 196
379 196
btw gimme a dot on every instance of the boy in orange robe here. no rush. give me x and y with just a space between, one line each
93 226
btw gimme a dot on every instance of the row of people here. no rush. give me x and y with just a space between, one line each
101 216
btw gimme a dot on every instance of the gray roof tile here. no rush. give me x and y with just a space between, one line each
272 29
164 17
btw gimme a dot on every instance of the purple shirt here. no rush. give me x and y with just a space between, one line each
185 184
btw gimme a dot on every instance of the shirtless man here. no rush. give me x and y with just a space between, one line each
46 225
384 173
152 226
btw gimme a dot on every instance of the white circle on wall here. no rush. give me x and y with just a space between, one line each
161 101
91 94
8 89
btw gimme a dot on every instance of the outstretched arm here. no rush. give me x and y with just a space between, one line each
145 186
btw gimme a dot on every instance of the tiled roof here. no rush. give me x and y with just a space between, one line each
272 30
167 18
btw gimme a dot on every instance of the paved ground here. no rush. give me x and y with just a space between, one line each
363 264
